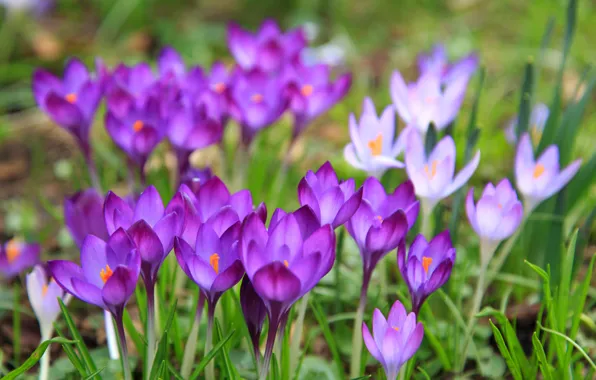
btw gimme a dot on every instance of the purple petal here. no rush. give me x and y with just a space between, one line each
93 259
307 221
87 292
463 176
166 228
149 207
371 345
212 196
112 204
241 202
228 278
524 165
242 46
63 272
119 287
563 178
399 95
170 61
275 282
148 243
386 237
348 209
63 112
183 252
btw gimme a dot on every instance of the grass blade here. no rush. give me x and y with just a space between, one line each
324 325
211 354
512 364
71 354
96 373
577 346
34 358
230 370
525 102
134 335
89 363
543 362
161 354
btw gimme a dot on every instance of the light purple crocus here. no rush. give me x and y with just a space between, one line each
426 266
283 266
17 256
433 176
43 295
436 61
83 215
70 102
312 92
381 221
540 179
333 202
374 147
428 100
258 100
394 340
538 118
267 49
495 217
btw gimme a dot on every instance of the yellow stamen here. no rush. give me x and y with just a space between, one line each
286 263
44 290
219 87
376 145
538 171
138 125
535 133
12 250
307 90
214 262
432 171
396 328
256 98
106 273
426 261
379 218
71 98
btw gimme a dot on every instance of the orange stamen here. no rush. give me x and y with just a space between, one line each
256 98
214 262
538 171
376 145
426 261
286 263
430 99
219 87
138 125
12 250
106 273
307 90
71 98
44 290
379 218
396 328
432 171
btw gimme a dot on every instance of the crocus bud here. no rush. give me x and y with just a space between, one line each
43 296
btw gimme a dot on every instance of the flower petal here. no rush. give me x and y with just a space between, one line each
275 282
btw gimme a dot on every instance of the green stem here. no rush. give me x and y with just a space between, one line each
191 343
297 336
357 331
111 336
402 372
427 212
150 332
123 347
210 369
44 365
16 322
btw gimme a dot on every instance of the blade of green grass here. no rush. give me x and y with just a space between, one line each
211 354
81 347
512 364
573 343
525 102
324 325
543 362
71 354
34 358
229 367
161 354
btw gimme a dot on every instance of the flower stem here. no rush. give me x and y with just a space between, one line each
111 336
44 366
297 336
427 213
210 369
271 334
191 343
150 332
123 348
357 331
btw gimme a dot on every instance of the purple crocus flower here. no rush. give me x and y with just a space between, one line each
134 82
426 267
381 221
538 118
43 294
17 256
436 61
312 92
428 100
83 215
394 340
495 217
258 101
193 178
539 179
108 273
266 50
283 266
71 102
331 201
374 147
254 312
433 175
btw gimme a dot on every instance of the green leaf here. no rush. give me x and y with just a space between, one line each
96 373
431 138
541 272
525 102
318 368
211 354
573 343
512 364
80 344
581 182
423 372
34 358
565 284
133 334
71 354
161 354
229 367
539 350
324 325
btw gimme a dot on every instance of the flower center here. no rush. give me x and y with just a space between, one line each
379 218
376 145
137 125
44 290
219 87
307 90
396 328
431 171
106 273
430 99
256 98
538 171
71 98
286 263
426 261
12 250
214 262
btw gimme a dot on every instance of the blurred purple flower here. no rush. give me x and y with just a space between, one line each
43 294
83 215
71 102
433 176
132 82
426 267
312 92
538 118
373 147
108 273
428 100
496 216
193 178
268 49
258 101
395 339
539 179
436 61
254 312
17 256
331 201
